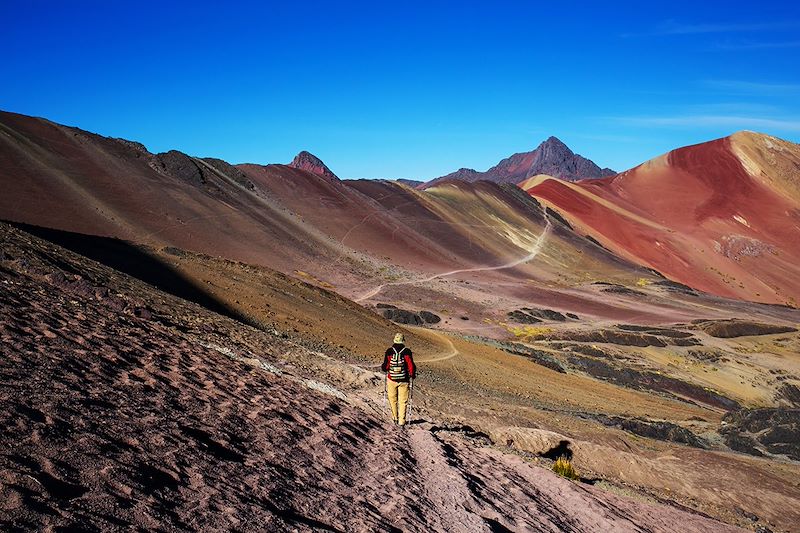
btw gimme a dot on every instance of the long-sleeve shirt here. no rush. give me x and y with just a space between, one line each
406 353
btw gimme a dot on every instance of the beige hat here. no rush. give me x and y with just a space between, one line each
399 338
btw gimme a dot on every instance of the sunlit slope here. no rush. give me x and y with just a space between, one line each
65 178
722 216
487 224
351 234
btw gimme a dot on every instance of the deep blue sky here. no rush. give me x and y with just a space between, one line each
405 89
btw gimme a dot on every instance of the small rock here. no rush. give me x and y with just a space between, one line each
143 312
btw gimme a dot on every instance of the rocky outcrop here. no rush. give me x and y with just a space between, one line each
726 329
429 318
649 337
789 393
659 430
615 288
311 163
647 380
522 317
402 316
536 441
180 165
231 172
552 157
767 431
528 315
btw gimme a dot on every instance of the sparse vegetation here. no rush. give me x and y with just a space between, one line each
563 467
530 332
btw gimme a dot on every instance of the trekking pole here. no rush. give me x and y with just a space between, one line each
410 399
385 393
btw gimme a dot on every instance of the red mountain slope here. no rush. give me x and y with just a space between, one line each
722 216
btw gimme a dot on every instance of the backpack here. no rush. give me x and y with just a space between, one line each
398 367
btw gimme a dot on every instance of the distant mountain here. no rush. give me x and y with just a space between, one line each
721 216
311 163
552 157
286 218
410 183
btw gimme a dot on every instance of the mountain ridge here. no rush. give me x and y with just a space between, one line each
721 216
551 157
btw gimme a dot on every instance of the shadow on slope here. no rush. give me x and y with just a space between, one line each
127 258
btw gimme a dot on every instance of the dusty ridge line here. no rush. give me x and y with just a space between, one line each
536 180
444 486
537 247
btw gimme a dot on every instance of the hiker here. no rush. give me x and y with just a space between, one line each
398 363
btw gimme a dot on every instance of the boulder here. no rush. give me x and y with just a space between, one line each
429 318
726 329
401 316
531 440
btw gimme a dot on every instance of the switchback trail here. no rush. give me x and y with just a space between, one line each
537 247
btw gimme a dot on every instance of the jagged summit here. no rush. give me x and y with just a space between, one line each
551 157
311 163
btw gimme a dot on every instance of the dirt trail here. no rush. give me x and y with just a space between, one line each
447 491
133 409
537 247
441 356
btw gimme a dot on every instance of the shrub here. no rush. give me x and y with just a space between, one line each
530 332
563 467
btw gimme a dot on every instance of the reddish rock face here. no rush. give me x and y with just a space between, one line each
552 157
311 163
721 216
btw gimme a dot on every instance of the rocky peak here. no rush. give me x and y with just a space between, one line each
551 157
311 163
554 143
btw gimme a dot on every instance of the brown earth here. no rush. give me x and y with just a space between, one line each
272 259
127 407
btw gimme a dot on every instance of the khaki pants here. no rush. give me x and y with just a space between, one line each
398 399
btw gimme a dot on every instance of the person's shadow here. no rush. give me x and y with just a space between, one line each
562 450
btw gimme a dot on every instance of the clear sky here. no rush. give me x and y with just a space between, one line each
405 89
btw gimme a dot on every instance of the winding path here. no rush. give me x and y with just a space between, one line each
537 247
438 357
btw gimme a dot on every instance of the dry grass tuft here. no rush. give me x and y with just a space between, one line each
563 467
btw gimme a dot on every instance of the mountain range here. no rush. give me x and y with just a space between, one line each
551 157
179 330
721 216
